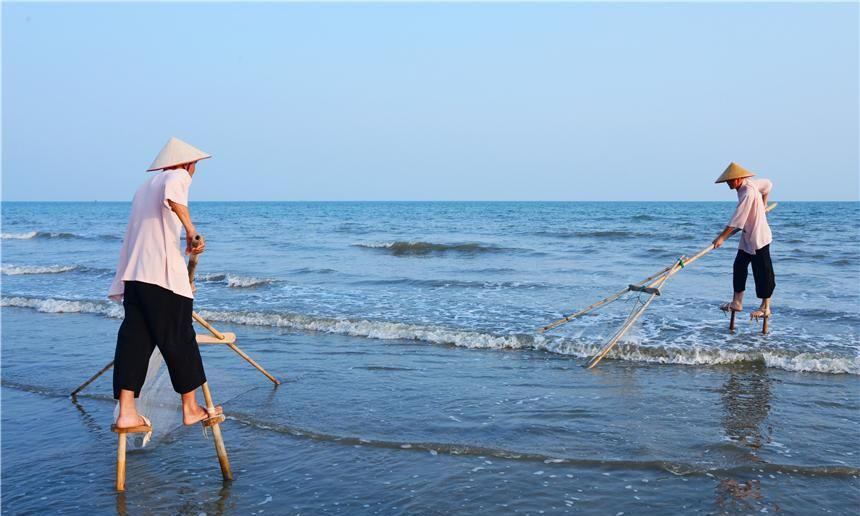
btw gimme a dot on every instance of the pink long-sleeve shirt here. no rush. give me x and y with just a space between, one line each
151 248
750 215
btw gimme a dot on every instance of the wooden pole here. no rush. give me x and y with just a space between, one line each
764 325
91 380
220 449
250 360
602 302
220 336
120 463
611 344
732 321
217 334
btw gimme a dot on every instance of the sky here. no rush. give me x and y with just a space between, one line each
432 101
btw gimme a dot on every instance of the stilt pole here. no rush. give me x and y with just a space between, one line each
220 449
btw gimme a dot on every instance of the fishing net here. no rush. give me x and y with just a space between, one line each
229 378
158 402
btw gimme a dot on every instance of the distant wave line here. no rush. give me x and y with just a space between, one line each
420 248
51 234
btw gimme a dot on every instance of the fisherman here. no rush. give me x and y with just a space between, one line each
152 283
751 218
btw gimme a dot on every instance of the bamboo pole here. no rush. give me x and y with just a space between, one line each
220 449
611 344
251 361
684 262
220 336
602 302
92 379
120 463
215 333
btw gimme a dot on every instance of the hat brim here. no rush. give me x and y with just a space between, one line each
178 164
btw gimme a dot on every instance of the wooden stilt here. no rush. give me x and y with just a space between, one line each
764 325
732 320
214 423
120 463
121 448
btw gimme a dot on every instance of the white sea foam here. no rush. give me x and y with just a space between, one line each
235 280
64 306
18 236
821 362
16 270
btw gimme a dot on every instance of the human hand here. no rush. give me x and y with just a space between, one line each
192 247
718 242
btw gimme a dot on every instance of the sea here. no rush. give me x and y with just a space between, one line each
414 377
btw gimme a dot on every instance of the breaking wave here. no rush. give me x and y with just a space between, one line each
818 362
58 306
17 270
401 248
235 281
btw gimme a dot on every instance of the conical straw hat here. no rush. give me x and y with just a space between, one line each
733 171
176 152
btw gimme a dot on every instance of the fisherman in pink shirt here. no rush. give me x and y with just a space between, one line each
152 283
751 218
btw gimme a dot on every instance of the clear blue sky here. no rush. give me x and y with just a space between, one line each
441 101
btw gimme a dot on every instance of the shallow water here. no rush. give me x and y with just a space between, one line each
414 381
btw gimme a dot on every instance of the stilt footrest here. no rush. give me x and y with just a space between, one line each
214 420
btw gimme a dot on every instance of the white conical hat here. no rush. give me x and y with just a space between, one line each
733 171
176 152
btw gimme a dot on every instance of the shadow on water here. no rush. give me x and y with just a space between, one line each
746 398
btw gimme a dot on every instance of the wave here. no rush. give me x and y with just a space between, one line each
235 281
17 270
57 306
402 248
51 234
818 362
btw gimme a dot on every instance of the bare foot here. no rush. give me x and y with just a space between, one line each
733 306
198 413
758 313
131 421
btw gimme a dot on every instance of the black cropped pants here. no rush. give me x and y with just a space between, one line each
156 317
765 280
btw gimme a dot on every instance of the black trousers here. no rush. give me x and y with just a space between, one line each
155 316
765 280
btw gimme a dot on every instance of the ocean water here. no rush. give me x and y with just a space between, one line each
414 379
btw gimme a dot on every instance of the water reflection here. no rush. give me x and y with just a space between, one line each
746 398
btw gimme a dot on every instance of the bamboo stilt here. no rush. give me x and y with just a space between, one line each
121 449
120 463
220 449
